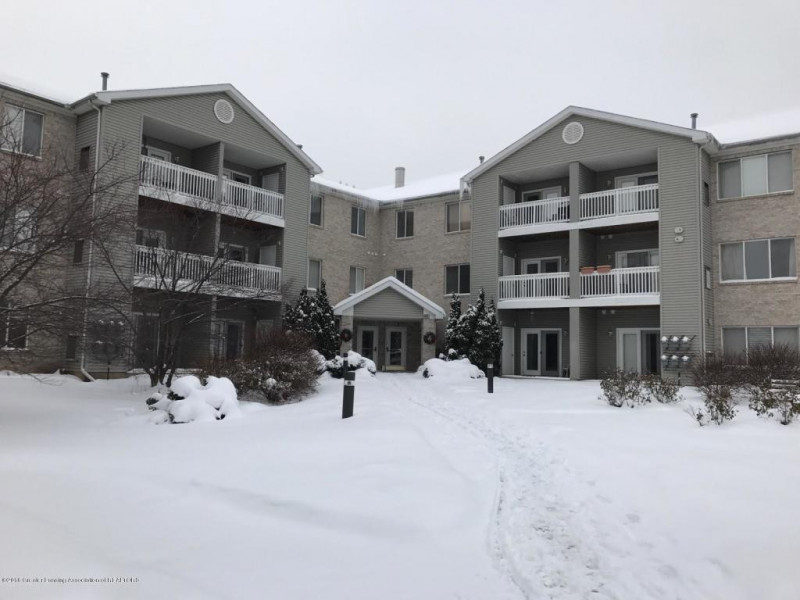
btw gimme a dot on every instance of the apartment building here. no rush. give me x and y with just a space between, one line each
605 240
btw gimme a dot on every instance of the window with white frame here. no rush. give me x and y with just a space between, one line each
756 175
357 278
405 276
758 260
739 340
18 232
232 252
405 223
458 216
544 194
21 130
637 258
236 176
314 273
456 279
358 221
315 214
13 329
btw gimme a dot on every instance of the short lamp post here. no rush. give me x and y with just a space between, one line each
490 378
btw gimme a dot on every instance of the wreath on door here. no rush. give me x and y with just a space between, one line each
429 338
346 335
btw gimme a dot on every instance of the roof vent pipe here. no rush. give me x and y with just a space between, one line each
399 177
104 75
481 159
694 120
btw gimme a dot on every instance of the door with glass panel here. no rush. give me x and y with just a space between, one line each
541 350
638 350
530 352
367 342
395 349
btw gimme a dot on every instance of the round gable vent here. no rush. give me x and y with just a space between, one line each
573 132
223 110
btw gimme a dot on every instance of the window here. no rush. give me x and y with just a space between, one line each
405 223
72 347
315 216
405 276
13 329
358 217
83 162
456 279
708 278
357 277
314 273
22 130
77 252
236 176
706 194
545 194
19 231
637 258
756 175
758 259
739 340
458 216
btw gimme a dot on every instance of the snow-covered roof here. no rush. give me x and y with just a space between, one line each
33 89
394 284
758 127
449 183
695 135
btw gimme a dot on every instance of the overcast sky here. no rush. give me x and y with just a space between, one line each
430 85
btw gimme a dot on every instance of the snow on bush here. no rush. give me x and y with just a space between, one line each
189 400
355 362
450 369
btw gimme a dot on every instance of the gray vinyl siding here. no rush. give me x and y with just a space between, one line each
208 158
544 248
561 182
607 245
587 342
179 154
604 180
387 303
679 181
624 317
546 318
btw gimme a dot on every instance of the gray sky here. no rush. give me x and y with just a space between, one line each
430 85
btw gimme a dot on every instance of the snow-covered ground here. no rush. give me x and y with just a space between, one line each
434 490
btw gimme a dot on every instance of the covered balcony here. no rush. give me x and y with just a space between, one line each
172 270
636 283
540 286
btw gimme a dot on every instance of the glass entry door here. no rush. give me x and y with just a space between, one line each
639 350
550 352
541 352
395 348
367 342
530 352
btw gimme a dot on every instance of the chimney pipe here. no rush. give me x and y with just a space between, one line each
399 177
104 75
694 120
481 159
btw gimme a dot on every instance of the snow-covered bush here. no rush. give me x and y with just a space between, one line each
665 391
355 362
189 400
623 388
767 401
282 368
475 333
450 369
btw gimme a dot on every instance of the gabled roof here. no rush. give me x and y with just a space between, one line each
222 88
395 285
696 135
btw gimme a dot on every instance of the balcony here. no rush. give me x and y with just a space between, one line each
637 204
619 287
635 285
544 288
159 268
175 183
620 202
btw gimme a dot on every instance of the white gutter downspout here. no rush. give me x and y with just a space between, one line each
83 370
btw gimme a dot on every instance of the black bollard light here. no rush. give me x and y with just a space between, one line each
349 394
490 377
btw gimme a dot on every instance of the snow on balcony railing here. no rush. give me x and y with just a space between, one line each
251 198
538 212
166 176
620 201
621 282
542 285
183 271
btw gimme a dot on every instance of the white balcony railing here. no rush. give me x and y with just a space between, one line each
251 198
183 271
542 285
175 178
246 200
538 212
621 282
621 201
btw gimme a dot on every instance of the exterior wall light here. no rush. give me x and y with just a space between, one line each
664 339
674 357
685 358
664 358
675 339
685 339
